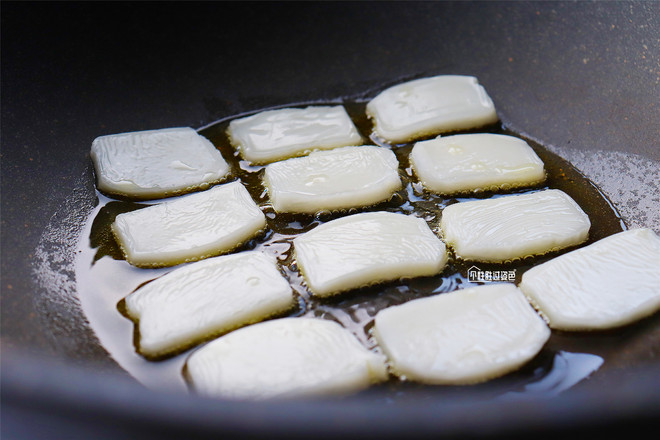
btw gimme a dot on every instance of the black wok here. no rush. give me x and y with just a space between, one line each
581 78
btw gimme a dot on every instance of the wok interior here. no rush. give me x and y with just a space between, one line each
577 77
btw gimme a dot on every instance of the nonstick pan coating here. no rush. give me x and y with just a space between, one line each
579 77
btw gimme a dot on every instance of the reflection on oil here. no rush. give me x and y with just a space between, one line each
567 370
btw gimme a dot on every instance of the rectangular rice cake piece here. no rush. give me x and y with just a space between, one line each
207 298
512 227
610 283
462 337
156 163
274 135
367 248
475 162
429 106
288 357
338 179
189 228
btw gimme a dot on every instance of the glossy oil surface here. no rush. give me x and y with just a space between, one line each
104 278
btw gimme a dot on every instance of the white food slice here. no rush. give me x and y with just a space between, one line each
284 358
475 162
330 180
610 283
429 106
156 163
278 134
367 248
511 227
189 228
207 298
463 337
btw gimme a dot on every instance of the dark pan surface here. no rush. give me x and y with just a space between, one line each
582 78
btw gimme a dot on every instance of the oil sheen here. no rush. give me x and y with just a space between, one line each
104 278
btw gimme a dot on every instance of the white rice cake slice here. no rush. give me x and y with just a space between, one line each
367 248
475 162
189 228
156 163
207 298
342 178
463 337
289 357
279 134
512 227
607 284
428 106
